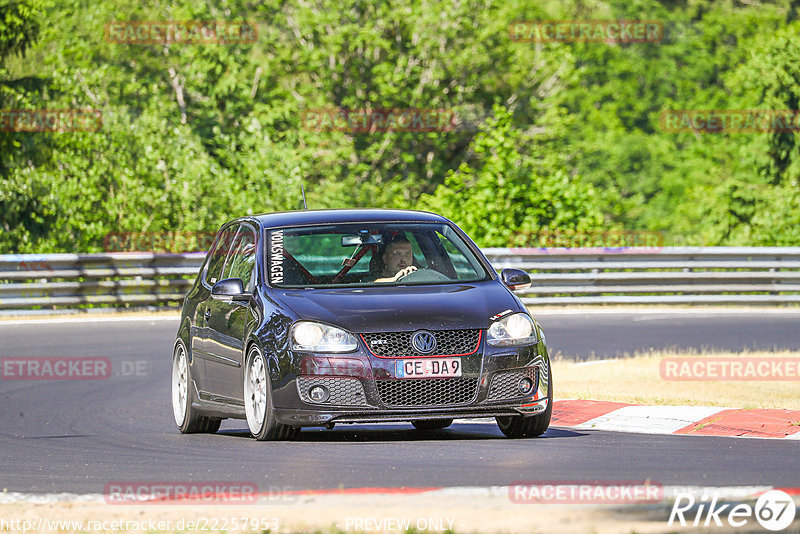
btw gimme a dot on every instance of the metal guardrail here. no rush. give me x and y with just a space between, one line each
669 275
46 280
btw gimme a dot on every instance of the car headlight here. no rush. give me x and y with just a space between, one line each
511 331
318 337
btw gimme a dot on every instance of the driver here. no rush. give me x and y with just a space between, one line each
397 259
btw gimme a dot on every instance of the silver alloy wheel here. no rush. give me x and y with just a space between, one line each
255 392
180 384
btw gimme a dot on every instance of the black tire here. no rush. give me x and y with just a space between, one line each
258 392
432 424
531 426
212 425
188 419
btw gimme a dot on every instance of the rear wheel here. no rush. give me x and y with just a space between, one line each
531 426
258 401
432 424
188 419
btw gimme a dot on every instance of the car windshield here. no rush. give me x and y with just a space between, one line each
370 254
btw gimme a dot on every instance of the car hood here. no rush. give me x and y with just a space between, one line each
402 308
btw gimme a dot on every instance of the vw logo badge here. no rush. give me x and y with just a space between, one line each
423 341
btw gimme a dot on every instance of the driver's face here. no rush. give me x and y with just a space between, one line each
397 256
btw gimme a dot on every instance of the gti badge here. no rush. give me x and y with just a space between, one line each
423 342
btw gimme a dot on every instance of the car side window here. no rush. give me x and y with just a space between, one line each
242 258
218 254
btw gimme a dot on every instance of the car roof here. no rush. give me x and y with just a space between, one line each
311 217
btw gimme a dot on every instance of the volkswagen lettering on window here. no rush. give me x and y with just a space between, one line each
324 317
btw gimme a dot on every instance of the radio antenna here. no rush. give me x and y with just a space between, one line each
302 190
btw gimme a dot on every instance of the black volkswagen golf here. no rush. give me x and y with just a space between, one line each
314 318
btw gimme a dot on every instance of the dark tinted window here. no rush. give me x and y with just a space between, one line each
218 254
242 258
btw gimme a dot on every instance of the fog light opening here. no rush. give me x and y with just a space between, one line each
525 385
318 393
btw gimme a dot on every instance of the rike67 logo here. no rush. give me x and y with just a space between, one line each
774 511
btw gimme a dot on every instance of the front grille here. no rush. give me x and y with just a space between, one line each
398 344
427 391
504 383
343 391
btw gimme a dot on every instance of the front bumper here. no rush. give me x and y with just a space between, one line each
360 395
324 416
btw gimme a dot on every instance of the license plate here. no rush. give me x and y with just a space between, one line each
428 368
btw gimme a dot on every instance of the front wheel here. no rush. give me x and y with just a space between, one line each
258 401
187 418
531 426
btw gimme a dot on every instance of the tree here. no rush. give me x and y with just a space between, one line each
514 186
764 192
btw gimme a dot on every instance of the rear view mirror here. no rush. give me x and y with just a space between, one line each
363 239
515 279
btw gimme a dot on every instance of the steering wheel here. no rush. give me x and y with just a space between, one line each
424 275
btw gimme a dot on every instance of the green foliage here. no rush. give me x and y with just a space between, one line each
763 196
19 26
515 186
563 136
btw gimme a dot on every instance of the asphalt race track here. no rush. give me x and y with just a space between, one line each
613 334
79 435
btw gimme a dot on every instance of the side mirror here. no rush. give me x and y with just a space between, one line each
515 279
229 289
